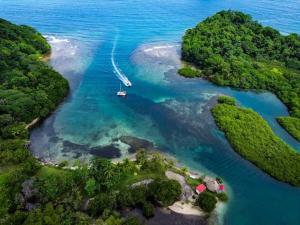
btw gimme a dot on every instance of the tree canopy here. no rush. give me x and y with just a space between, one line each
232 49
29 88
252 137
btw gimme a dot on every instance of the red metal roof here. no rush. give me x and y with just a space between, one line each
200 188
221 187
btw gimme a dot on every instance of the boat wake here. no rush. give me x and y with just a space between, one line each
122 77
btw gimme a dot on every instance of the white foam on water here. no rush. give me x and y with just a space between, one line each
154 60
122 77
68 56
218 216
160 50
166 52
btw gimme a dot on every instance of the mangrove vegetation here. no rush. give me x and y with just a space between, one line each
252 138
231 49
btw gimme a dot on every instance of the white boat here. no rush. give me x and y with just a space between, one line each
127 83
117 70
121 93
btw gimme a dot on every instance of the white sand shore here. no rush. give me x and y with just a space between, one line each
186 209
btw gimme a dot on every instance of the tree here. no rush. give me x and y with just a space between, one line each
222 197
127 167
125 198
132 221
207 201
104 172
113 220
103 201
154 165
226 100
139 194
141 157
5 119
165 192
148 209
90 187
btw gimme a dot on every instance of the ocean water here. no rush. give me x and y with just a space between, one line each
161 109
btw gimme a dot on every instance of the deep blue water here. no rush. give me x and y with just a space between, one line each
161 107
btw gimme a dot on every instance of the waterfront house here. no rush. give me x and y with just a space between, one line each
200 188
211 184
221 187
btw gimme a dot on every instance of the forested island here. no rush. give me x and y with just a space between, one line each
35 193
252 137
231 49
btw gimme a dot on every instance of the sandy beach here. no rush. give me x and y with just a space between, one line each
185 208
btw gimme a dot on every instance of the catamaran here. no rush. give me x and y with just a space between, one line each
121 93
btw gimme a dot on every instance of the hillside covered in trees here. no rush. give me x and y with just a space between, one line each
232 49
29 88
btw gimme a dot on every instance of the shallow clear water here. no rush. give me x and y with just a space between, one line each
161 107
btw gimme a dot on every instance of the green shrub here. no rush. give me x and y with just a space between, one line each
63 164
188 71
206 201
226 100
148 209
125 198
154 165
141 157
105 173
53 186
165 192
113 220
90 187
193 182
139 194
132 221
291 124
49 215
102 202
5 119
222 197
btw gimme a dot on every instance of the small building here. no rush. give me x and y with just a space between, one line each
221 187
211 184
200 188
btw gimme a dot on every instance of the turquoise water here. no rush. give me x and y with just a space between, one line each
161 107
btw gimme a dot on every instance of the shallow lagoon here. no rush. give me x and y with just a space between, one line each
162 108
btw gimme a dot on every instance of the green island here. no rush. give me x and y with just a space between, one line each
36 193
251 137
291 124
231 49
